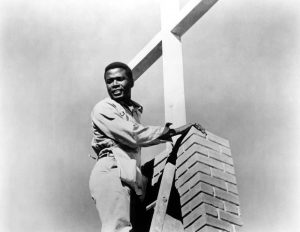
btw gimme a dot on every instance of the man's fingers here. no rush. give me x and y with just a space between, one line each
200 128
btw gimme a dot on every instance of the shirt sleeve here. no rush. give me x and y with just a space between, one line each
132 134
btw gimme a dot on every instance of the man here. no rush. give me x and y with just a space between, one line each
118 137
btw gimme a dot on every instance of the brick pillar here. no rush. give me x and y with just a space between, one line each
206 182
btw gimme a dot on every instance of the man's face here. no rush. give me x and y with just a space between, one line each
118 84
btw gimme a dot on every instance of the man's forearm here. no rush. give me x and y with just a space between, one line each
182 129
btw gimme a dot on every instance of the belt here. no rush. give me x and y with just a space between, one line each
102 156
105 154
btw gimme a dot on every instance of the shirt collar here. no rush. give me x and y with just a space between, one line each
135 105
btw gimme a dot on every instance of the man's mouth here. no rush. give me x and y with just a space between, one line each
117 92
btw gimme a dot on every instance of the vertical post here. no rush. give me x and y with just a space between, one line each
174 101
172 66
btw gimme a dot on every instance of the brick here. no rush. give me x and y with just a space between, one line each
223 175
198 200
209 229
191 132
220 156
159 167
204 188
198 188
226 151
232 188
186 209
195 148
211 162
190 173
212 201
202 141
189 158
208 144
194 154
218 223
183 142
208 220
231 218
227 196
183 179
212 181
199 167
212 137
156 178
226 159
183 190
231 208
181 170
185 156
199 177
160 157
190 141
202 150
180 151
229 169
197 225
201 210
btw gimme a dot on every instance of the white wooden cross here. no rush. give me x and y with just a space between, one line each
167 42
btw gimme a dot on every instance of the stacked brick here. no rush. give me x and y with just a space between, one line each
206 182
159 165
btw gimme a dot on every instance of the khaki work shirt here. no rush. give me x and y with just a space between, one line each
117 131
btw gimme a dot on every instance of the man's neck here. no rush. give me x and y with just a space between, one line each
126 102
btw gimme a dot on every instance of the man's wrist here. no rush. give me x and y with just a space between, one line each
172 132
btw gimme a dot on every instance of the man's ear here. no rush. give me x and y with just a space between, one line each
132 83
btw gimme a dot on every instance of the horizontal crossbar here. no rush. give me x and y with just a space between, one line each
188 16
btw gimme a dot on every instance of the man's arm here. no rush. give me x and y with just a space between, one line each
131 134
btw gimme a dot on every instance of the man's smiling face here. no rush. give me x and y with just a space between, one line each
118 84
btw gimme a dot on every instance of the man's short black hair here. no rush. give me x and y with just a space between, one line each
119 65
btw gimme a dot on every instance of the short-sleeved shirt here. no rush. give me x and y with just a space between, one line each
115 125
117 130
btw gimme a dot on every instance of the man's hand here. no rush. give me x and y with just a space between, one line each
200 128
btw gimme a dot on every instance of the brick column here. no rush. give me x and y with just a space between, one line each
206 182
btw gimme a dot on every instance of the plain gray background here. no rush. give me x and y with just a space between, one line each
241 67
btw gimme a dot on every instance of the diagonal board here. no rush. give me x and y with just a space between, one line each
187 17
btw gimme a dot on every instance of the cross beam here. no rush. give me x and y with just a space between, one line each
187 17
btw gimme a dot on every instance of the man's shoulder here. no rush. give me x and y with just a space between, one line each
106 103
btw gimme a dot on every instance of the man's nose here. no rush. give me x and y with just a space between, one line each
115 82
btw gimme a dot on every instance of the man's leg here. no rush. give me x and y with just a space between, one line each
111 196
138 214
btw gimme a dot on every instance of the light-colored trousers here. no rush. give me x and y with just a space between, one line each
111 196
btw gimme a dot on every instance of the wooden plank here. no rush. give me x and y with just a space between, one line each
146 57
172 225
190 14
174 97
163 199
